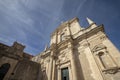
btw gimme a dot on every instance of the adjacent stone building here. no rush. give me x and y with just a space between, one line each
78 53
16 64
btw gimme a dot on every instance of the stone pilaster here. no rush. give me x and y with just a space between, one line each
96 73
53 70
73 64
50 68
59 74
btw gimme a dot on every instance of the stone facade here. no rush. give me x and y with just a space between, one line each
16 64
77 53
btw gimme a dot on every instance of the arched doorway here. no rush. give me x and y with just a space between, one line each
3 70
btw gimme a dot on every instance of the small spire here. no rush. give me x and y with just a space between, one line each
46 47
90 21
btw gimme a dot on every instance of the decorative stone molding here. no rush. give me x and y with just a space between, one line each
44 55
58 67
98 47
81 52
111 70
58 62
86 45
63 25
48 60
63 57
43 68
103 38
54 57
53 46
101 50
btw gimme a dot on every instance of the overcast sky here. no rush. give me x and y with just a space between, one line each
30 22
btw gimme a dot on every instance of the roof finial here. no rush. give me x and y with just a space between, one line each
91 23
46 47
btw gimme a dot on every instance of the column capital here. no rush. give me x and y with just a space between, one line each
70 43
58 67
53 55
53 46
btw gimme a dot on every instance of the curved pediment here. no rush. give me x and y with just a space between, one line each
98 47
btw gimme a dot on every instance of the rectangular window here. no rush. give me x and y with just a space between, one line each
65 74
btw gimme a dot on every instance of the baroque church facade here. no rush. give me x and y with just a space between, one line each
78 53
75 53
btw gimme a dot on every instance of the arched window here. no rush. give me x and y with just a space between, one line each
3 70
62 36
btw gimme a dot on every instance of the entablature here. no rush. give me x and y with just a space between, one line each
45 54
88 33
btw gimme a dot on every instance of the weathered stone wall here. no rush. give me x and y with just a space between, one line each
20 66
12 62
26 70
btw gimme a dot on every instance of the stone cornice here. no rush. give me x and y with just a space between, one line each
111 70
53 46
10 55
87 34
64 43
62 63
98 47
45 54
